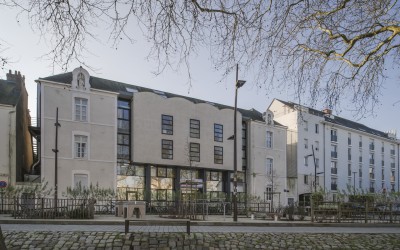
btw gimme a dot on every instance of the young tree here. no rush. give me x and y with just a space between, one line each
325 50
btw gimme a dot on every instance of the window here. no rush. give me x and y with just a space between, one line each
383 147
268 193
371 159
80 142
316 145
167 147
305 179
334 135
317 128
316 162
81 109
218 132
349 139
270 166
124 131
195 152
333 167
334 184
81 180
306 143
167 124
371 145
334 151
349 154
360 142
194 128
305 125
269 139
306 161
349 170
218 155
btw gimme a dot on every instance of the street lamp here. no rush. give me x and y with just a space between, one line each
315 168
238 84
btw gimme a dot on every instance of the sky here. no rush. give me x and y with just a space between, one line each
128 63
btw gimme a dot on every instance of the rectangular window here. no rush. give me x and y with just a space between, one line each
218 155
218 132
334 151
81 180
270 166
305 125
317 128
334 135
305 179
81 109
349 170
316 145
195 152
80 146
194 128
167 147
305 143
124 131
316 162
349 139
334 184
269 139
371 145
349 154
360 142
333 167
167 124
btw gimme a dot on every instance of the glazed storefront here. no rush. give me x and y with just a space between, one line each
166 183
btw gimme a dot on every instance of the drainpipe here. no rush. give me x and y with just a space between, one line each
9 145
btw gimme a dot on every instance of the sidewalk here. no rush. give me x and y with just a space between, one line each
211 220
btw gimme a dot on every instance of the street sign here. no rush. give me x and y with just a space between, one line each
3 184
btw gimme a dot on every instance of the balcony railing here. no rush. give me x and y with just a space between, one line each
334 154
333 170
334 138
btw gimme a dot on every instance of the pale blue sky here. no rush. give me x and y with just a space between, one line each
128 64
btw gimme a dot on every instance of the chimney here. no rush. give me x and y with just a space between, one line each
17 78
327 111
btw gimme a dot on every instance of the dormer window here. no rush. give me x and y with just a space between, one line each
81 80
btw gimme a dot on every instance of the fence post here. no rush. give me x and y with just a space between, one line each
391 212
312 209
366 211
188 227
126 226
339 211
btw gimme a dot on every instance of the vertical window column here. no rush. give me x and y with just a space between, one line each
124 131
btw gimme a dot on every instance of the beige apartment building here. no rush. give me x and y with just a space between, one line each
152 145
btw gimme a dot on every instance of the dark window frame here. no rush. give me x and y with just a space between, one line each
167 124
193 154
194 128
218 155
124 108
218 132
169 146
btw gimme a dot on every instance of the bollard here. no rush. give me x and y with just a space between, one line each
188 227
126 226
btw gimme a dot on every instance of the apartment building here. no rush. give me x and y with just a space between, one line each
16 152
336 154
148 144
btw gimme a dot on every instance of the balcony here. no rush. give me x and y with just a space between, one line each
371 161
333 187
333 170
334 154
371 147
334 138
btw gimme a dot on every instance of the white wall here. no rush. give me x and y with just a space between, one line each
7 144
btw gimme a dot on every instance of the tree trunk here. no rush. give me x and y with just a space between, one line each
2 242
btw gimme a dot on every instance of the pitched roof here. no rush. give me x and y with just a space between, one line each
127 90
9 92
339 120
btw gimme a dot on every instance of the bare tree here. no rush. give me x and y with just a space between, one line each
323 50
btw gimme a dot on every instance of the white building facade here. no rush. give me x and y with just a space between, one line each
151 145
348 156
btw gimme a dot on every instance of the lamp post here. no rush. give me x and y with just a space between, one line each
238 84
